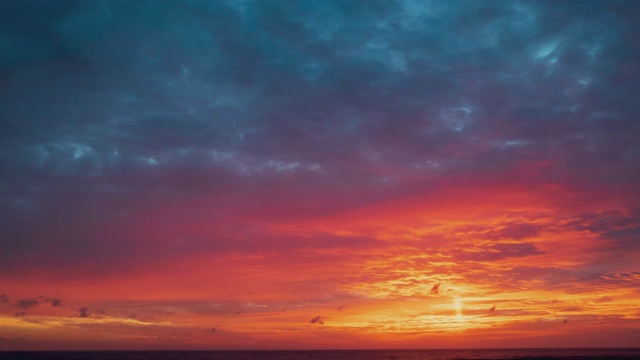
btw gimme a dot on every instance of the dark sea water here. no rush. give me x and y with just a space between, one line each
332 354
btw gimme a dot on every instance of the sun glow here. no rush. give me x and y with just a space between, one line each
457 305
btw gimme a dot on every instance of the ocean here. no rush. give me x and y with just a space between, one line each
469 354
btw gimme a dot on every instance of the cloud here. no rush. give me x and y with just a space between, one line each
83 312
435 290
617 229
53 301
27 303
550 275
500 251
619 278
33 302
610 223
517 231
20 314
358 110
317 320
603 299
572 309
4 299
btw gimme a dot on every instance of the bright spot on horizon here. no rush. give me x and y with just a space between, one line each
457 305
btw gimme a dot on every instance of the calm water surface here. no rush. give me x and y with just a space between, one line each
567 354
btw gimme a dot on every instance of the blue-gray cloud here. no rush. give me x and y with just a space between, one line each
110 107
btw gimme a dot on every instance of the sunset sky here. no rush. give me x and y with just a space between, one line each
319 174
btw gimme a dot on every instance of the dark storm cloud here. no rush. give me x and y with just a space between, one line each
107 107
301 54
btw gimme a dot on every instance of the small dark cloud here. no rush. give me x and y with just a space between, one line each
565 321
27 303
213 329
20 314
4 299
53 301
317 320
83 312
435 290
341 307
492 310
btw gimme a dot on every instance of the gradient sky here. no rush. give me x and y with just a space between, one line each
319 174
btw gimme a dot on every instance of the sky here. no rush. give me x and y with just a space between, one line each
235 174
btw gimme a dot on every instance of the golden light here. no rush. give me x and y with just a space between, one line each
457 305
